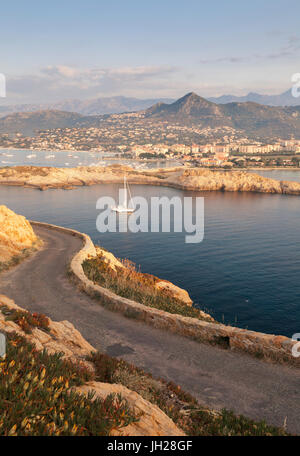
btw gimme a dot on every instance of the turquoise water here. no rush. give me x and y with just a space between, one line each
245 272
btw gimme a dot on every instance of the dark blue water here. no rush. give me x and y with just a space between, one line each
245 272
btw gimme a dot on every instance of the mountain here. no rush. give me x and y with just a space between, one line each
190 105
252 118
28 123
94 106
185 109
283 99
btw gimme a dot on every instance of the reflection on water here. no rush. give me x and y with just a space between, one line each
280 174
246 270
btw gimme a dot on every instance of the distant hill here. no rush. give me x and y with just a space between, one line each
283 99
94 106
29 122
252 118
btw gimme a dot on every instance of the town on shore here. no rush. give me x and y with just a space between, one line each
240 153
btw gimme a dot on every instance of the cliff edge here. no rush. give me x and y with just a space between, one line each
16 234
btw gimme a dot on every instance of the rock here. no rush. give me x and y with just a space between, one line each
153 421
67 335
109 258
62 337
16 234
190 179
178 293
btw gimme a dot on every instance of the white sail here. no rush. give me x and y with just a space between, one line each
123 207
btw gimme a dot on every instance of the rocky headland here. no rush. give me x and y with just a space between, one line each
195 179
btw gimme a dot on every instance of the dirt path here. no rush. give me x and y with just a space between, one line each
218 378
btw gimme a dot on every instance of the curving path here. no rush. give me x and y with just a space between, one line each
218 378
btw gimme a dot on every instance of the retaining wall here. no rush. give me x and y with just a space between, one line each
265 346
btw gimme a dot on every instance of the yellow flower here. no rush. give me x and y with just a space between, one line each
13 430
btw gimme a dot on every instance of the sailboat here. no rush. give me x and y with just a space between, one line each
124 208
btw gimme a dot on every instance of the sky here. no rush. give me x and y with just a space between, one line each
56 50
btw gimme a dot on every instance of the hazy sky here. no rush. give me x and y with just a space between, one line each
54 50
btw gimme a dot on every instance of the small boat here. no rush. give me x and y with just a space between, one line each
50 156
31 156
124 208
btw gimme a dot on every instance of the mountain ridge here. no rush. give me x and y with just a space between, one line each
283 99
250 118
93 106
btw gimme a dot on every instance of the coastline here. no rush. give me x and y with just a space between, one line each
191 179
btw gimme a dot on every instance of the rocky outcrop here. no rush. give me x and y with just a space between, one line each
62 336
229 181
198 179
164 285
152 422
16 234
109 258
176 292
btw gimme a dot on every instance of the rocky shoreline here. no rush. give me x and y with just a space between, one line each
193 179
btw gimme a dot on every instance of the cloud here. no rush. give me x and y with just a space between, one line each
56 82
223 60
60 70
290 49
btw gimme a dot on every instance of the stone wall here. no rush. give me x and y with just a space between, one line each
266 346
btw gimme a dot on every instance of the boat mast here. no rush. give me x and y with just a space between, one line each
125 193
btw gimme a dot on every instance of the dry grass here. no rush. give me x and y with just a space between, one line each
16 259
139 287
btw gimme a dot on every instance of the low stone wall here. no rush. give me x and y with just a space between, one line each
264 346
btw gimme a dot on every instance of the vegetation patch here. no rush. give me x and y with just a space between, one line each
139 287
35 396
25 319
180 406
16 259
